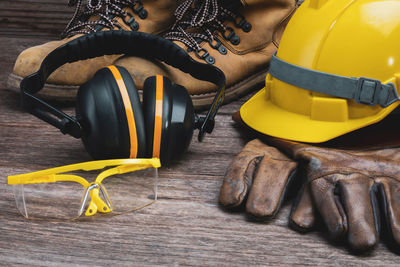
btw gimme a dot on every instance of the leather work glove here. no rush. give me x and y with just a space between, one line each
351 189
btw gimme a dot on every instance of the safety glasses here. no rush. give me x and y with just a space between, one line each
63 194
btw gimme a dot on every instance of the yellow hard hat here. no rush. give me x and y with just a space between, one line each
336 70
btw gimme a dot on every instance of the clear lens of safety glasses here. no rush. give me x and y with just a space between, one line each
59 200
75 191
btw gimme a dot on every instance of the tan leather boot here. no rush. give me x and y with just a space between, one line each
238 36
151 16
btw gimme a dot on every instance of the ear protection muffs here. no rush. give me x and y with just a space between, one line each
162 128
109 117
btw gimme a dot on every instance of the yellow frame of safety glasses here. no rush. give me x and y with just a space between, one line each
96 204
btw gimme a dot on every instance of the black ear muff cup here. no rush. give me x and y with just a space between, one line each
177 118
181 124
101 111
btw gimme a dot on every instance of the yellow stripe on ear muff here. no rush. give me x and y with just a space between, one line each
128 110
158 116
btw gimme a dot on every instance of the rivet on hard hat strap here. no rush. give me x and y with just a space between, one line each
362 90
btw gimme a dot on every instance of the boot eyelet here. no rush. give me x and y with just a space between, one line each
247 27
231 36
218 46
134 26
228 33
130 21
222 50
243 23
215 46
235 40
202 53
140 11
143 14
210 60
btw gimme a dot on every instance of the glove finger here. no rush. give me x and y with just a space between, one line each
239 177
362 213
390 193
270 184
302 215
329 206
237 181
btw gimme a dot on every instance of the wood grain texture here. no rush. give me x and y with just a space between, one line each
185 227
34 18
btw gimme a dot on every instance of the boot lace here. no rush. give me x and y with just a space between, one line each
197 20
99 14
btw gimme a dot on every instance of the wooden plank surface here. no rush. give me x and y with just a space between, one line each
185 227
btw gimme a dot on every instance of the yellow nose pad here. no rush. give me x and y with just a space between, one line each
96 203
92 209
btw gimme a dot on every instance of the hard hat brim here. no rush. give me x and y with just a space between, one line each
264 116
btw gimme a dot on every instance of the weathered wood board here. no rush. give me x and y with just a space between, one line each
185 227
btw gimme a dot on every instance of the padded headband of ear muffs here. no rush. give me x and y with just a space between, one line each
121 42
108 108
169 118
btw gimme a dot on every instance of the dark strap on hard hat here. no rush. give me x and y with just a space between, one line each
362 90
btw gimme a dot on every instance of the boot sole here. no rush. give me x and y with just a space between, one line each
68 92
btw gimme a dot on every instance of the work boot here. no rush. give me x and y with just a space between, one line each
151 16
238 36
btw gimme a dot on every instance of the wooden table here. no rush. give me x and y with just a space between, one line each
185 227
